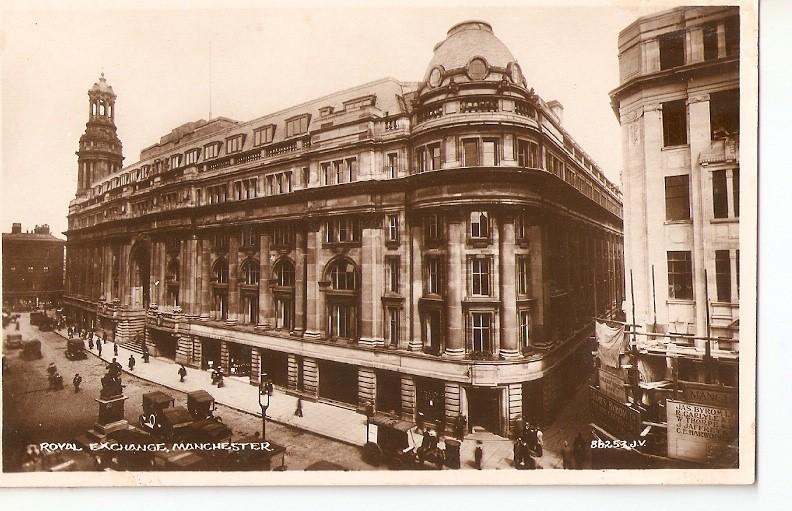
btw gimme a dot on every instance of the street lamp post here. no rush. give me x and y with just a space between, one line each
265 389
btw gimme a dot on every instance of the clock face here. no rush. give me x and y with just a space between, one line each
477 69
516 74
435 77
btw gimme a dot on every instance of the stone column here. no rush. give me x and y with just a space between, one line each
300 258
162 271
455 338
416 288
224 358
206 295
233 278
255 365
265 274
699 121
371 283
509 347
313 296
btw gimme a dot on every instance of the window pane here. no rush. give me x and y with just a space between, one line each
470 148
719 194
674 123
680 275
677 197
723 275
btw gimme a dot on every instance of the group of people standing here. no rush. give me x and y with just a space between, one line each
528 444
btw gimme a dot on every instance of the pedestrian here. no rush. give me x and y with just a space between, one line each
478 454
131 362
539 442
90 344
299 412
69 332
145 355
99 347
115 348
517 453
566 456
76 382
182 373
579 450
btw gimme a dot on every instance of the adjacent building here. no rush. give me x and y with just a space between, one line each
32 268
433 248
678 105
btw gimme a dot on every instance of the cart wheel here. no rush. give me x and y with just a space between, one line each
372 454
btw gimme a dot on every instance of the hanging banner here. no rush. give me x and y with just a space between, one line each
699 432
611 342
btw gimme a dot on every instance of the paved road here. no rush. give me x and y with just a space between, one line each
34 414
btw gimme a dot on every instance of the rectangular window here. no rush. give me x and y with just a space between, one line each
489 152
724 114
672 50
392 274
342 321
392 168
263 135
327 174
710 33
234 144
525 328
677 197
191 157
481 277
393 228
523 274
470 153
674 123
284 310
393 326
420 155
521 226
482 328
680 275
211 150
723 275
479 225
433 152
434 270
342 230
175 161
433 228
736 191
248 237
720 194
297 126
527 154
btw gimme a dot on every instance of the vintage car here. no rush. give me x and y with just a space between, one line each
392 443
201 405
13 341
153 405
273 458
206 430
36 317
75 349
31 350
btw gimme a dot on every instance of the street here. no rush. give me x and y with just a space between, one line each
33 414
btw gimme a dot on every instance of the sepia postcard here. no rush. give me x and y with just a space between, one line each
499 244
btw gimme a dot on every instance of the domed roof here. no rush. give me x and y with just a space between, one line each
467 40
102 87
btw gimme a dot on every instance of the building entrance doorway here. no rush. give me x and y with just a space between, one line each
164 343
276 365
210 353
338 382
484 408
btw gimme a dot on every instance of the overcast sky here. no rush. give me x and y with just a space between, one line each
262 60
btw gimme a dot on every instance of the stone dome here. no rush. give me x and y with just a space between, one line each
467 40
102 87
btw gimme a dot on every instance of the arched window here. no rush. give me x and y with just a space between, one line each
284 273
250 273
220 272
343 276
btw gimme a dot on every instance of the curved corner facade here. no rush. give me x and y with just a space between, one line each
433 249
678 105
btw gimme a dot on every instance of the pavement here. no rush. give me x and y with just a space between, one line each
343 424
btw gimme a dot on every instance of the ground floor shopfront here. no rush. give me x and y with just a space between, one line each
419 389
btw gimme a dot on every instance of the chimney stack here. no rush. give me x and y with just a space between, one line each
16 228
557 108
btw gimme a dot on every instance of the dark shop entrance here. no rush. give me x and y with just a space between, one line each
429 401
338 382
484 408
210 353
389 392
276 365
164 343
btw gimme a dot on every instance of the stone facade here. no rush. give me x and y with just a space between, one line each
678 105
449 232
32 267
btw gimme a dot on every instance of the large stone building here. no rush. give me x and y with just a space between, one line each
434 248
678 105
32 268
